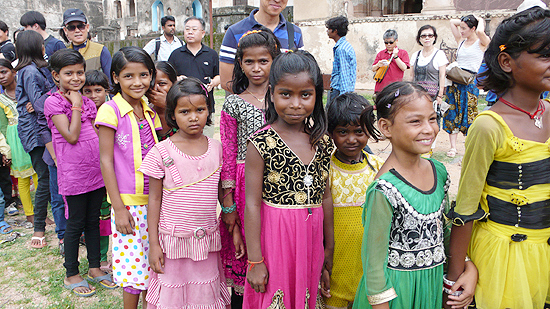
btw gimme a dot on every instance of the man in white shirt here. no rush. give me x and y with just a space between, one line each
163 46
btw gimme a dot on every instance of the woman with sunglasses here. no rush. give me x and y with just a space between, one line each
76 32
469 33
396 59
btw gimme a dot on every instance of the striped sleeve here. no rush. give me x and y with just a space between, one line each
229 47
152 164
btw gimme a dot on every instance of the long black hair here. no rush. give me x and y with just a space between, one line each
261 37
64 57
29 49
183 88
131 54
292 63
526 31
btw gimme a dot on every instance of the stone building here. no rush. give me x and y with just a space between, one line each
370 18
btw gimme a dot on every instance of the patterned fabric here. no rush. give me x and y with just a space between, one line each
286 176
239 120
463 108
344 67
131 251
416 239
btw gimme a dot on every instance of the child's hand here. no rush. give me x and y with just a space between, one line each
238 242
325 283
230 220
74 97
157 96
156 259
124 221
467 281
258 277
29 107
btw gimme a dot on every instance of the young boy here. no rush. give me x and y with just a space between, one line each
96 88
351 172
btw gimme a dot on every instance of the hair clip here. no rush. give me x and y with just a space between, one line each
502 47
388 106
397 93
289 51
247 33
204 88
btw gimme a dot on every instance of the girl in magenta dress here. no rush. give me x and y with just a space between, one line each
241 116
184 231
288 215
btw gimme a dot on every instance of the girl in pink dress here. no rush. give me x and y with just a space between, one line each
184 187
288 215
70 116
241 116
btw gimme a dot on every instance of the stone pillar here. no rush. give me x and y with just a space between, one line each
438 7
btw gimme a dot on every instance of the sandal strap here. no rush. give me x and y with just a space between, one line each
101 278
73 286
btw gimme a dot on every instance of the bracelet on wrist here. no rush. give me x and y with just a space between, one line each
230 191
448 284
74 108
230 209
252 264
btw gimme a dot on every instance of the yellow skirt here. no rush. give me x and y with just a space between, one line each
511 274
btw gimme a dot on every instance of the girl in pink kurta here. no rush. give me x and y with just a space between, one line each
184 182
241 116
70 116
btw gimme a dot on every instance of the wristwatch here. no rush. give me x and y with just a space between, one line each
396 57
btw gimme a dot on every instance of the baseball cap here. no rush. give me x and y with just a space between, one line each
73 15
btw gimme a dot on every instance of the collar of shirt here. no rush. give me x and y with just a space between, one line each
125 107
340 42
5 42
78 47
255 24
164 40
185 49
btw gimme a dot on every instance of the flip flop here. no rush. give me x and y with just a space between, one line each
42 244
12 210
4 226
100 281
27 225
82 283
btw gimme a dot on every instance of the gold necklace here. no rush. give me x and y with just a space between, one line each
255 97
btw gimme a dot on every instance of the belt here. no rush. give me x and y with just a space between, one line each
198 233
531 216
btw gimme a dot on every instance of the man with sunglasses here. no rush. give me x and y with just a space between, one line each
398 60
76 31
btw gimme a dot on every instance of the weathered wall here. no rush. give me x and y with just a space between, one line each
365 35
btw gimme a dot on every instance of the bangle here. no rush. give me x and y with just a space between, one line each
74 108
396 57
448 284
252 264
230 209
225 195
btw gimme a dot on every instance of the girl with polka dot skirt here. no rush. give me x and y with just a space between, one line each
184 230
126 134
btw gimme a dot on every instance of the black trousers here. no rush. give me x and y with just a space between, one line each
83 217
42 191
6 185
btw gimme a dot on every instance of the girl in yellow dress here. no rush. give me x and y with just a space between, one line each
502 213
351 171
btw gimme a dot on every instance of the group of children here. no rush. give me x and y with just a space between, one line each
308 216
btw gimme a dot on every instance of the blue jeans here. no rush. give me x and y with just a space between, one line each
58 206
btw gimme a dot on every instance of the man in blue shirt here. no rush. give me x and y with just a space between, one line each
344 67
34 20
268 15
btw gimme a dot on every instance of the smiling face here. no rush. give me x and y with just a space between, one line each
273 7
193 31
7 76
134 80
350 141
191 115
95 93
294 98
531 71
256 64
76 32
70 77
413 128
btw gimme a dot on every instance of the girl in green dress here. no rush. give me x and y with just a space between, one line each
402 251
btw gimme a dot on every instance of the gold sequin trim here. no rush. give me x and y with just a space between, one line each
270 142
300 197
383 297
274 177
277 300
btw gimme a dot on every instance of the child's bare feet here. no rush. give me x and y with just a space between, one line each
49 221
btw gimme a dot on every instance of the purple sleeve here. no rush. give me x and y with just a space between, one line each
228 136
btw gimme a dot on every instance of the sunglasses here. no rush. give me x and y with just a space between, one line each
427 36
72 28
389 43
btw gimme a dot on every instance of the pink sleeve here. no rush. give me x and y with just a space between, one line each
228 134
152 164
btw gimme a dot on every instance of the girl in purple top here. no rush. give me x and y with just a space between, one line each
70 116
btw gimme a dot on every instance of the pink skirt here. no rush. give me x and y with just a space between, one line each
189 284
235 270
292 246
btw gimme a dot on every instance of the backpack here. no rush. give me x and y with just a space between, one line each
157 46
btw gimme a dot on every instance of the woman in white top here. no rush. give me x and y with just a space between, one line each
469 33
